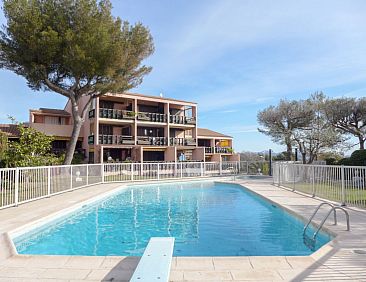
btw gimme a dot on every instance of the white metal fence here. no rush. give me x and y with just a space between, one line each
343 184
21 185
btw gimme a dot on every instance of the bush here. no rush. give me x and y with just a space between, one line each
331 161
358 158
344 161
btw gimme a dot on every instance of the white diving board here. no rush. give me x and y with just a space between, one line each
155 263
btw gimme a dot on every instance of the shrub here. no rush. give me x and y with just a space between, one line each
344 161
358 158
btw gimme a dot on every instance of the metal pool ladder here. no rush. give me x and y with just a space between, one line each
334 210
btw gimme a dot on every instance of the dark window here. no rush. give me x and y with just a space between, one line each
106 104
105 129
91 157
151 156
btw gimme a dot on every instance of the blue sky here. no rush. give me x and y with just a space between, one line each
235 57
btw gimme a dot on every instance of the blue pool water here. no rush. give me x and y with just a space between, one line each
206 218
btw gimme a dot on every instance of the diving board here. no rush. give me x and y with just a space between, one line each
155 263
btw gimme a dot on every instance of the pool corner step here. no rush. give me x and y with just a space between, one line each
155 263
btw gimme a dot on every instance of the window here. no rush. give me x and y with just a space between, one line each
106 104
55 120
105 129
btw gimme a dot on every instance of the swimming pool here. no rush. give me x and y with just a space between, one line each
206 218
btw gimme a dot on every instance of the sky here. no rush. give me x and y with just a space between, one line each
234 58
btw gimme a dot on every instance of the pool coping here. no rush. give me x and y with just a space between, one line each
53 216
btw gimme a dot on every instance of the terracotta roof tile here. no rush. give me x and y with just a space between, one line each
204 132
10 129
52 111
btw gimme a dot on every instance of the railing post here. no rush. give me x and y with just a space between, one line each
313 180
202 170
131 171
48 181
87 174
247 167
294 177
279 174
220 168
103 172
343 203
181 170
158 171
70 176
16 192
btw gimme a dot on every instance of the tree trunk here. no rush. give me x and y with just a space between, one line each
362 142
73 141
289 151
77 123
303 156
78 116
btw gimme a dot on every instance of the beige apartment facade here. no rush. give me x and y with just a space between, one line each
139 128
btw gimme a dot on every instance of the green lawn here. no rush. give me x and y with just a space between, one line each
354 196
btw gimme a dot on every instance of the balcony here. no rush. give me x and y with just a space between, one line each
182 142
115 114
175 119
151 117
219 150
152 141
113 140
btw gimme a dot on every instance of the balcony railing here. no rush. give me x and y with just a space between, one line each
154 141
116 114
152 117
182 141
116 139
219 150
182 119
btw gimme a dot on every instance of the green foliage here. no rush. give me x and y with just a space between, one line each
349 116
358 158
76 48
32 149
78 158
344 161
3 147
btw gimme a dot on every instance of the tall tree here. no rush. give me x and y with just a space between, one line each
318 135
75 48
279 122
349 116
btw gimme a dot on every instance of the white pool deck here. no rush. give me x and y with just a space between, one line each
336 261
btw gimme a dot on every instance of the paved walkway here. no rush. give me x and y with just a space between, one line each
337 261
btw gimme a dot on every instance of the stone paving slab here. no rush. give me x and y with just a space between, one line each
337 261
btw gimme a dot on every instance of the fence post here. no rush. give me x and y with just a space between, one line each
158 171
247 167
103 172
48 181
279 174
16 195
202 170
87 174
70 176
343 203
294 177
220 167
181 170
313 180
131 171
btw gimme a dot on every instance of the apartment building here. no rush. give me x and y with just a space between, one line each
137 127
